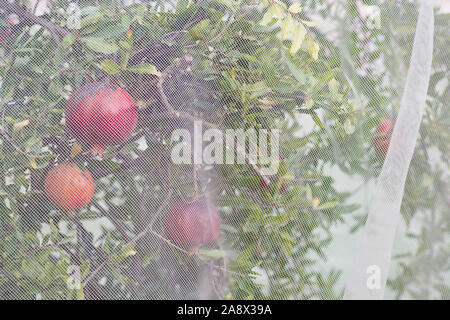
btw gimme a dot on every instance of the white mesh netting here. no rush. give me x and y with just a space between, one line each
224 149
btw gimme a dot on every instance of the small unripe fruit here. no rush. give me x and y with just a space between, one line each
383 138
192 223
68 187
13 19
101 114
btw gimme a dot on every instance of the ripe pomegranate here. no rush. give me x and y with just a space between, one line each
383 138
101 114
68 187
192 223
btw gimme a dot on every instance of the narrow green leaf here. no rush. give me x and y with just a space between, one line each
296 143
296 71
213 254
110 67
68 40
100 45
297 38
295 7
144 68
317 120
328 205
287 27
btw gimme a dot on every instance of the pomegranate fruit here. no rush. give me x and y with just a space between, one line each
68 187
192 223
383 138
101 114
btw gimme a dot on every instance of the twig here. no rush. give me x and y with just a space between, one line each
148 228
164 98
184 115
171 244
133 240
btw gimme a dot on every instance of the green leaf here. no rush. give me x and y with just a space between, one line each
124 253
211 254
313 49
323 81
317 120
309 104
144 68
53 228
278 11
125 44
308 191
80 294
100 45
349 128
333 86
110 67
229 3
312 23
199 31
68 40
268 16
287 27
296 71
297 38
111 28
328 205
295 7
296 143
93 15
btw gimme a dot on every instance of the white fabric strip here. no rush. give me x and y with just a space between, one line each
373 256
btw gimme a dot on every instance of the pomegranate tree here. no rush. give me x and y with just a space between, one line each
100 115
192 223
68 187
383 138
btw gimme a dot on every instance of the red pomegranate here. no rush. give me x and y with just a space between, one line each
101 114
383 138
192 223
69 187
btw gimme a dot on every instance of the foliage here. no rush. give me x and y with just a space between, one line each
232 64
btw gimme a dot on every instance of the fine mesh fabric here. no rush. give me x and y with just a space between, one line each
224 149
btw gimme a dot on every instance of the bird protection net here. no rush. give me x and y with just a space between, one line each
224 149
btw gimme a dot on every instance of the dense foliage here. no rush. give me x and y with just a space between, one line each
231 64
